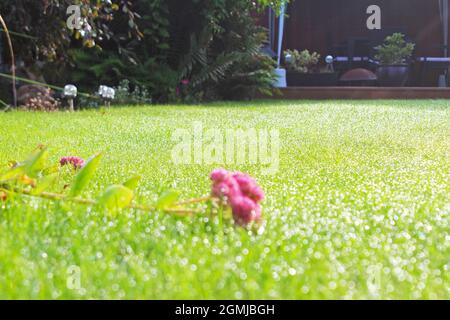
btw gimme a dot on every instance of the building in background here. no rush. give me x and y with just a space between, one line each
339 28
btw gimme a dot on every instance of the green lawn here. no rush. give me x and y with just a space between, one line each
358 209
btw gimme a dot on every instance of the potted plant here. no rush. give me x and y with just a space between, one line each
303 70
393 56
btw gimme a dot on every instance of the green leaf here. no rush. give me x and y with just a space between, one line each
132 183
51 170
44 184
30 167
12 173
36 162
163 46
116 197
167 199
85 175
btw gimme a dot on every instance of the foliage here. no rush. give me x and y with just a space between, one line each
45 37
394 50
214 45
40 103
37 98
223 60
126 95
34 177
95 66
274 4
251 75
303 62
154 44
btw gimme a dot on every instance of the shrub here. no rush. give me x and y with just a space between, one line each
155 44
36 98
394 50
215 45
42 37
131 96
303 62
224 59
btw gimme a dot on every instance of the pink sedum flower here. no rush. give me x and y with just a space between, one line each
244 210
240 192
248 186
218 175
76 162
227 188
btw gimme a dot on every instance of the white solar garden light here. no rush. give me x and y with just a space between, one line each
102 91
107 94
70 93
110 93
288 58
329 61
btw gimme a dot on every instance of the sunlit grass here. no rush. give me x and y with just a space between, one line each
359 208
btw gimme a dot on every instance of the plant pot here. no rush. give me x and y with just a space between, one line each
392 75
280 78
297 79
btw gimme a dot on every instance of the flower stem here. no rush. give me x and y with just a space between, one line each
195 200
57 196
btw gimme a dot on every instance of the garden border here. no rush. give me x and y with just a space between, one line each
327 93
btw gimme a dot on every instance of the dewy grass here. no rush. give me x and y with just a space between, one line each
358 209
